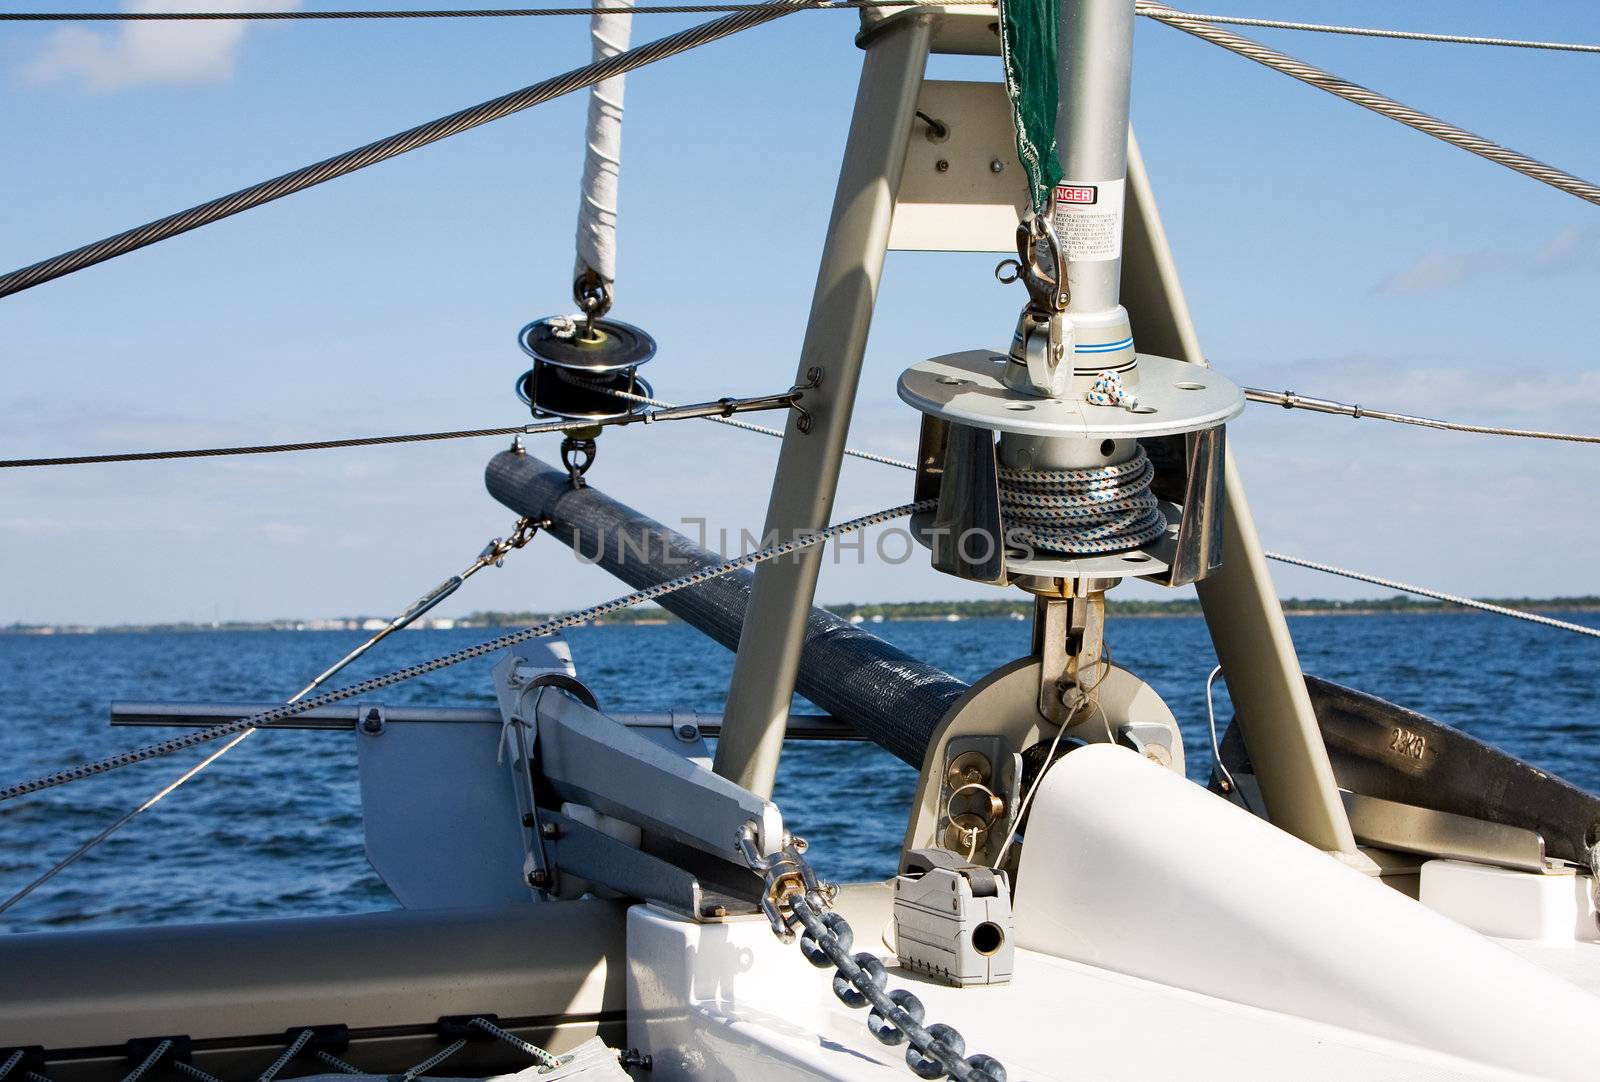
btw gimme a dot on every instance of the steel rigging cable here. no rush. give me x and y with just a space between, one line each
382 149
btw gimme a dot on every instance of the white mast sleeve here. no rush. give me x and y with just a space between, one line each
610 28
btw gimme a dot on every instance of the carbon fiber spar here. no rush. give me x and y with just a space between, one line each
889 696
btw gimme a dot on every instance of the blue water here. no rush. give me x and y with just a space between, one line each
274 828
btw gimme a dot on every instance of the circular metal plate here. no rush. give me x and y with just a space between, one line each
620 345
1174 396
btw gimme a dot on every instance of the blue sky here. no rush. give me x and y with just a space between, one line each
1324 249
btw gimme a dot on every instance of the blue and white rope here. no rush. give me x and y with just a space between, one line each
1081 512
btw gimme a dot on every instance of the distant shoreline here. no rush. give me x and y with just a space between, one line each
870 613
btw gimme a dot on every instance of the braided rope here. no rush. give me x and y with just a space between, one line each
1378 103
148 1062
1370 32
289 1053
434 1060
547 627
194 1072
336 1063
1082 511
10 1063
545 1058
382 150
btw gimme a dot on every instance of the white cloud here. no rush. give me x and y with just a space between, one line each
1573 248
148 52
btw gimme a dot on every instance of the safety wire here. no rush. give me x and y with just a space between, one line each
1087 698
1371 99
493 553
1331 569
382 149
706 9
483 649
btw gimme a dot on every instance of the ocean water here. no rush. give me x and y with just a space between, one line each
274 828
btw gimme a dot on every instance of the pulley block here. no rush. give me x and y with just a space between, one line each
580 364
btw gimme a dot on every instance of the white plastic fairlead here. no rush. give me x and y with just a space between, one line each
1128 867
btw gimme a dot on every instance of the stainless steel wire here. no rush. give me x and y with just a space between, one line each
377 683
1437 595
1378 103
382 149
493 553
1291 400
272 448
1331 569
1373 32
463 13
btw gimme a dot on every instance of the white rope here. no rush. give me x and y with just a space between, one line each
1437 595
1371 32
609 29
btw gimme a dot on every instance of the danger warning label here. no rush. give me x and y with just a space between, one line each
1088 219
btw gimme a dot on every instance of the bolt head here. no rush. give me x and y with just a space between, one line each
942 165
539 879
997 166
549 830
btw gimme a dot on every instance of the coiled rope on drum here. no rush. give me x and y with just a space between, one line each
1083 512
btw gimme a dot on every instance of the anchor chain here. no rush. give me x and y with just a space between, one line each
792 896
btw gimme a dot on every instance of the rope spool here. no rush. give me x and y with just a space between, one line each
578 364
1082 512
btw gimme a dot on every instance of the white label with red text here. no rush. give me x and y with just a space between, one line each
1088 219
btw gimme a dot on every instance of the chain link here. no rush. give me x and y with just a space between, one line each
793 897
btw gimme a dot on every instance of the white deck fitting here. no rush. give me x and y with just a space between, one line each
1161 932
730 1001
1137 870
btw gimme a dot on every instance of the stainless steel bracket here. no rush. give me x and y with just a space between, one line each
577 755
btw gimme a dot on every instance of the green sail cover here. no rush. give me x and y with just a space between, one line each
1030 49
